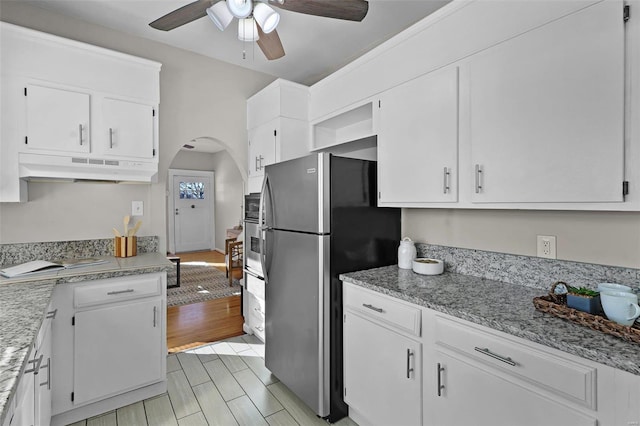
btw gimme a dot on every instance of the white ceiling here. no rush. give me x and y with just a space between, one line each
315 46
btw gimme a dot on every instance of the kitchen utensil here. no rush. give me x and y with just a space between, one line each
620 306
426 266
116 232
406 253
613 287
133 231
126 220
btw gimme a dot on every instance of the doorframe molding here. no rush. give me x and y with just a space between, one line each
171 205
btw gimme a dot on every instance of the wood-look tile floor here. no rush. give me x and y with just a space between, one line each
223 383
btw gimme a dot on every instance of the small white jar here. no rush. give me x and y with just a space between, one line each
406 253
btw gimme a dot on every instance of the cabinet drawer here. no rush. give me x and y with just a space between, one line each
99 292
383 308
562 376
255 286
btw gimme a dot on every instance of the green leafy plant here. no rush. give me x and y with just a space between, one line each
583 291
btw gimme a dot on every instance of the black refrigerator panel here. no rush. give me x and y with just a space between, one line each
363 236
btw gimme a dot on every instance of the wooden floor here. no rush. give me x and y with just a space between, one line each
199 323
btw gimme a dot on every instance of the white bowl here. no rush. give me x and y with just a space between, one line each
427 266
613 287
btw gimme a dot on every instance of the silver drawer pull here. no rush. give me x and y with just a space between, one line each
447 175
409 369
373 308
112 293
259 328
37 362
487 352
478 178
52 314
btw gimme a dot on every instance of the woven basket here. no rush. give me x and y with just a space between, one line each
594 322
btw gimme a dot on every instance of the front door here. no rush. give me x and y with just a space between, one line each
193 211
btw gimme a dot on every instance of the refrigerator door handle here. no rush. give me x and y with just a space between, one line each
263 228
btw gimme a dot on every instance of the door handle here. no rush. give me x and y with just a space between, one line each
440 385
506 360
80 133
110 137
193 206
409 369
478 178
447 175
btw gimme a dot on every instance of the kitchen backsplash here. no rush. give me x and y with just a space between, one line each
526 270
11 254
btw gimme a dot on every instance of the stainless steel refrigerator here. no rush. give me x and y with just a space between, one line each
319 219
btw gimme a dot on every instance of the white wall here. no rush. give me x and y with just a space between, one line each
199 97
228 187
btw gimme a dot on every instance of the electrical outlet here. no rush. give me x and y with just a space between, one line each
137 208
546 246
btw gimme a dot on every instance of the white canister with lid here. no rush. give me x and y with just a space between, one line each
406 253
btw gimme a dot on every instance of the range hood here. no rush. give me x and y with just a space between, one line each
38 166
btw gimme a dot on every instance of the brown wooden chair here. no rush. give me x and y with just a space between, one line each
233 251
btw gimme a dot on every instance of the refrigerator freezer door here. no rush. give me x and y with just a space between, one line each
296 319
295 191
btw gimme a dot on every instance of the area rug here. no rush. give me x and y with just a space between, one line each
199 283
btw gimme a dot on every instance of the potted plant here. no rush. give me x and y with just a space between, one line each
584 299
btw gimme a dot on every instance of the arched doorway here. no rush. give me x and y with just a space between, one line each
214 312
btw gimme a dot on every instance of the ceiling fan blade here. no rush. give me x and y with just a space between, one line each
270 44
184 15
350 10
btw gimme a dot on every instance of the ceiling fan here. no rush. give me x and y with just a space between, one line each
257 20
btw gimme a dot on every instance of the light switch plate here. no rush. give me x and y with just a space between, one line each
137 208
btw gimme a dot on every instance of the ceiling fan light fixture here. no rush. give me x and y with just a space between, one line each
240 8
220 15
266 17
247 29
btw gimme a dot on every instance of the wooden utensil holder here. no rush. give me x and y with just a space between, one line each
125 246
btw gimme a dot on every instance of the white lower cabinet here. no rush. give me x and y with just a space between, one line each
110 345
382 363
31 404
409 365
255 316
473 394
117 348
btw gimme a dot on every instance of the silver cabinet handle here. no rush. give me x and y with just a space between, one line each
112 293
409 369
373 308
259 328
52 314
155 309
80 133
256 164
487 352
258 311
110 138
447 175
261 166
440 385
37 362
48 367
478 180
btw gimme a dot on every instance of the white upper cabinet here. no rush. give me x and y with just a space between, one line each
128 129
546 111
74 111
418 141
278 127
57 119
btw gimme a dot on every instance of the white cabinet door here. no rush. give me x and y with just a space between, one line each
382 373
117 348
23 414
57 119
418 140
473 395
128 129
262 147
43 378
546 112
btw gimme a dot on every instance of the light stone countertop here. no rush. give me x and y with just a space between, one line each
500 306
23 304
